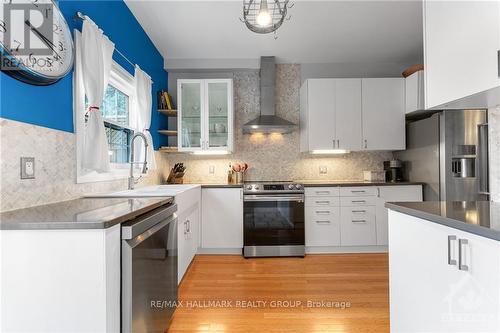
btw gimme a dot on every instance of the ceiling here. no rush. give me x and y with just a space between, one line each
209 34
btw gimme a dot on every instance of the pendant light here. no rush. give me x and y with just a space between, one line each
264 16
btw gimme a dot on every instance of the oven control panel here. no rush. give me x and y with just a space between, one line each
273 188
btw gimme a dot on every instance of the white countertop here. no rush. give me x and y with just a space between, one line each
147 191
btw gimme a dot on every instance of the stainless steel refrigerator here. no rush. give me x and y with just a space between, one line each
449 153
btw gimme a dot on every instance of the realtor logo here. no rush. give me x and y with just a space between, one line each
27 30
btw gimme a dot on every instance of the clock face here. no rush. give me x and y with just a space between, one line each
36 42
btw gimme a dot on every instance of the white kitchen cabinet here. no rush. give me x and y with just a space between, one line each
461 52
322 217
222 222
60 280
188 230
383 105
393 193
414 92
428 293
205 115
188 239
327 106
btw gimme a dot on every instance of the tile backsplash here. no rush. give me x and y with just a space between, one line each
55 167
275 156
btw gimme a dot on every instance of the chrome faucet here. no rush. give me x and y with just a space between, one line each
131 180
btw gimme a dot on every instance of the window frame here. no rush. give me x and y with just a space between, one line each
123 81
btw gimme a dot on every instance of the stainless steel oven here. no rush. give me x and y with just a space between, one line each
273 219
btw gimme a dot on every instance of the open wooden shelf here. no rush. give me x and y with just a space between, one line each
168 149
168 132
169 113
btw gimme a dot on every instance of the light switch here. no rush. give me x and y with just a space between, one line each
323 170
211 169
27 168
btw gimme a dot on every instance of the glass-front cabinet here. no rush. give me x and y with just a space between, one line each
205 115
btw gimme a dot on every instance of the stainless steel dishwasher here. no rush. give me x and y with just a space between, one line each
149 270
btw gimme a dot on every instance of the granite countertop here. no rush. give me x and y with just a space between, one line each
320 183
477 217
83 213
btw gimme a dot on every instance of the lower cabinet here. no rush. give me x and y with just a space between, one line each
441 279
393 193
351 219
188 238
222 227
188 228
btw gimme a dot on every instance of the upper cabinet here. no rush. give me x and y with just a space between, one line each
205 115
461 54
414 92
383 104
352 114
327 105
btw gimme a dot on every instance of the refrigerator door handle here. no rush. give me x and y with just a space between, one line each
482 158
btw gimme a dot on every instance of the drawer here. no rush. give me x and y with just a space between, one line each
322 201
358 191
357 201
322 213
322 230
322 191
358 229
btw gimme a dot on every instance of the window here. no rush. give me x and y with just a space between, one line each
118 115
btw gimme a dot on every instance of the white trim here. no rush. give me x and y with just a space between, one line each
123 81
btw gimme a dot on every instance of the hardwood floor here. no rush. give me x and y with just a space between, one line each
361 279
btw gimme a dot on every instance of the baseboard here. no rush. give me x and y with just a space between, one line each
220 251
346 249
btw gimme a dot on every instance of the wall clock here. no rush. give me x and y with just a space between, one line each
36 42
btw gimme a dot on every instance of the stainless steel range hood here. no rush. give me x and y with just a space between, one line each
268 122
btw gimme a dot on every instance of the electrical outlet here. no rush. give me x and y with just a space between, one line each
323 170
211 169
27 168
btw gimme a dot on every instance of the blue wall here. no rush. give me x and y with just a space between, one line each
52 106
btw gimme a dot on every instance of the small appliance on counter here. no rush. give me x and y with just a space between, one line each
374 176
393 171
176 175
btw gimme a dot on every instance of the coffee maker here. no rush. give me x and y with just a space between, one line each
393 171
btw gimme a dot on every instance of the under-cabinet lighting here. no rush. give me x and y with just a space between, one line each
210 152
330 152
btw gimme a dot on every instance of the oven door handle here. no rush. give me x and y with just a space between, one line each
268 198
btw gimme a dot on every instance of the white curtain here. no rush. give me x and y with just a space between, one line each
143 98
96 58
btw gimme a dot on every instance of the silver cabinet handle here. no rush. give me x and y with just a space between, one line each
450 260
323 222
338 143
334 144
323 202
323 212
461 265
358 221
498 62
322 192
359 211
185 228
188 226
366 143
358 191
358 201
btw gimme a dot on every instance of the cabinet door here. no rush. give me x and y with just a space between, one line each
190 129
348 114
321 113
393 193
383 114
322 226
414 92
219 115
419 274
357 226
184 248
460 51
222 223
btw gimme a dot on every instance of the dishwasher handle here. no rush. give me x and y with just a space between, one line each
151 231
